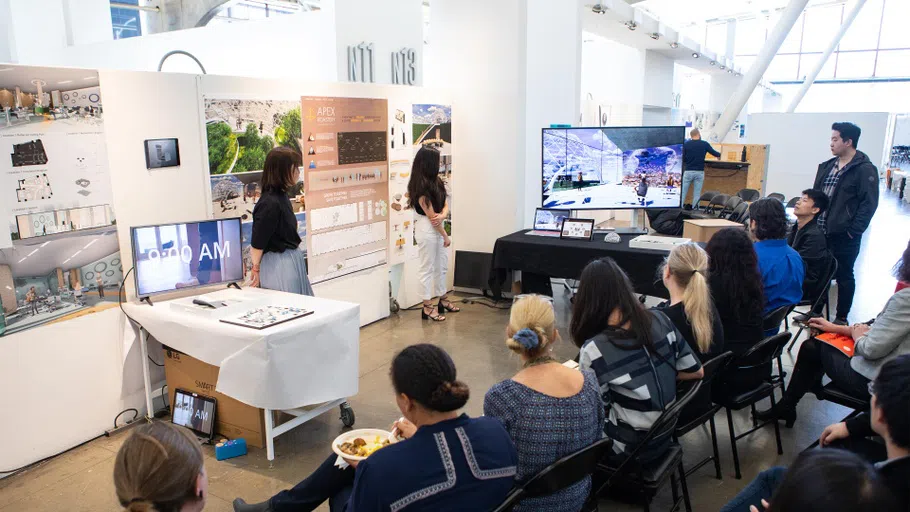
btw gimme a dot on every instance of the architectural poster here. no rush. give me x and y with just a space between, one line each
432 126
401 222
346 159
59 250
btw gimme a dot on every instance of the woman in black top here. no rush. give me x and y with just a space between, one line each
427 194
278 263
736 286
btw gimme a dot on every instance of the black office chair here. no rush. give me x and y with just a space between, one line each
821 299
559 475
702 409
716 205
776 195
792 202
706 197
732 204
648 479
749 194
772 321
757 363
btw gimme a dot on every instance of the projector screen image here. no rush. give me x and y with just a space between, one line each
612 168
175 256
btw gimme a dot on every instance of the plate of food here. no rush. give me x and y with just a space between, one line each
359 444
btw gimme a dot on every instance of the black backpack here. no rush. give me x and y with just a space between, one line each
667 222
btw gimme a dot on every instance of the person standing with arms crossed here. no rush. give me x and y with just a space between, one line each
278 263
694 151
850 180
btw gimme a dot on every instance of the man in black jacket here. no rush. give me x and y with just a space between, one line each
809 241
850 180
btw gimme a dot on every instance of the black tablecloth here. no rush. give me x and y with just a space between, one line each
559 258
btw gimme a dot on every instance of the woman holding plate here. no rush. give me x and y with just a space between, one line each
447 461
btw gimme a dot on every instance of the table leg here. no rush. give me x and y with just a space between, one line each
269 436
146 380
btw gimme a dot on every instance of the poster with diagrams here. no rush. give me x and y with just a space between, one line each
401 156
59 249
346 175
432 126
239 135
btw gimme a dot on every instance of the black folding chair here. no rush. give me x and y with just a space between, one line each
777 195
755 362
792 202
773 320
702 409
739 212
716 205
706 197
821 299
749 194
648 479
732 203
559 475
831 393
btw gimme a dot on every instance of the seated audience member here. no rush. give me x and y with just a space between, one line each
637 355
902 271
549 411
736 287
875 345
889 418
782 269
446 462
827 481
160 467
809 241
691 309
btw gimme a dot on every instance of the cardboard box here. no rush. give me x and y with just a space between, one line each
233 419
701 230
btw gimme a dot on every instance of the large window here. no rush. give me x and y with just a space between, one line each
125 21
877 44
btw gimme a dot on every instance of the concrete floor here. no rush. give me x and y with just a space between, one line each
80 480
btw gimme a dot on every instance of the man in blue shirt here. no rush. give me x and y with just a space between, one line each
782 268
694 151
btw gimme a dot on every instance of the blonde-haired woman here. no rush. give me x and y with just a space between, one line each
691 308
549 410
160 468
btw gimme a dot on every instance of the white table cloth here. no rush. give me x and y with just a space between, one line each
301 362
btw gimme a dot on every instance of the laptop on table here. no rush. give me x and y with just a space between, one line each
548 222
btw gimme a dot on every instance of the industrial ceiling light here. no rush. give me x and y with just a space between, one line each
654 35
598 8
674 45
722 67
631 25
713 63
694 55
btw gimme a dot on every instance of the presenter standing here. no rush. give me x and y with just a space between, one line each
694 151
427 194
278 263
850 180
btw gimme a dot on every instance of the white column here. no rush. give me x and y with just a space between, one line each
762 61
810 78
731 40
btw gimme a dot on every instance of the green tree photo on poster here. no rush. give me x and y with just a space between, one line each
253 149
222 147
287 133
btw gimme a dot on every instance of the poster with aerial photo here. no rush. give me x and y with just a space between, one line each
59 250
239 135
432 126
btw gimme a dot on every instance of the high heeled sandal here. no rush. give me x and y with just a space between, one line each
447 305
432 315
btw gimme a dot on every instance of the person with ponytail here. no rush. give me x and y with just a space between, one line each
159 468
691 309
447 461
549 411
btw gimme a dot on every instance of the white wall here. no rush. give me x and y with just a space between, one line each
37 28
302 45
58 394
87 21
390 26
658 80
612 77
799 142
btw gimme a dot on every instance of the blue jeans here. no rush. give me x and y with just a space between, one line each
692 177
762 488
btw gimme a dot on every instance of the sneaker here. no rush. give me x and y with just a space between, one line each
841 321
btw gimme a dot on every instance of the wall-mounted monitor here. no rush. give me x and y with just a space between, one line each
172 257
612 167
161 153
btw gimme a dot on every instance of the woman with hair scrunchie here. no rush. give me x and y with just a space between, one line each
473 457
549 410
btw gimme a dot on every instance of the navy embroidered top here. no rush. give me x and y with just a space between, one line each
459 464
546 429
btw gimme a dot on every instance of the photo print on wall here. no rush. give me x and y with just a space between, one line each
433 127
60 250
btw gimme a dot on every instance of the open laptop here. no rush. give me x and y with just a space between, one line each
548 222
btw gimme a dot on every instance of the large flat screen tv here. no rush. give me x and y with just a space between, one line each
612 167
171 257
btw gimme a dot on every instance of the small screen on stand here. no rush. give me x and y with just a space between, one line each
612 167
194 412
188 255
